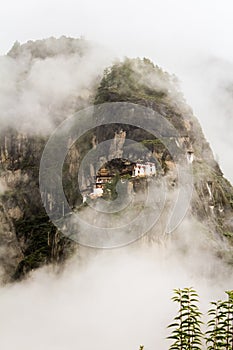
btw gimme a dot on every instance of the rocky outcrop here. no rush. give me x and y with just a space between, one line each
28 239
10 252
131 81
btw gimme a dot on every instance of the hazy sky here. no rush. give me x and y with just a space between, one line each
148 27
192 39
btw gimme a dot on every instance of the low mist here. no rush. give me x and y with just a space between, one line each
112 298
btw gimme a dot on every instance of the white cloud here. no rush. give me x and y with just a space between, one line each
118 299
35 93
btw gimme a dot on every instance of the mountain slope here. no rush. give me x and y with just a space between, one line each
28 237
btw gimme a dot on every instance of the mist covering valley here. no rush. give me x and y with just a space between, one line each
119 298
113 298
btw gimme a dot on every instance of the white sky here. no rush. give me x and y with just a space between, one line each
179 35
149 27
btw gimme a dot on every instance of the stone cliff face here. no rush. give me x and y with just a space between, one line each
212 200
28 238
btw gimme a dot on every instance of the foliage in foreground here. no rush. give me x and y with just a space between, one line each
187 324
186 328
187 334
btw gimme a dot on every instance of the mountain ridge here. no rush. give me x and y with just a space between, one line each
33 240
